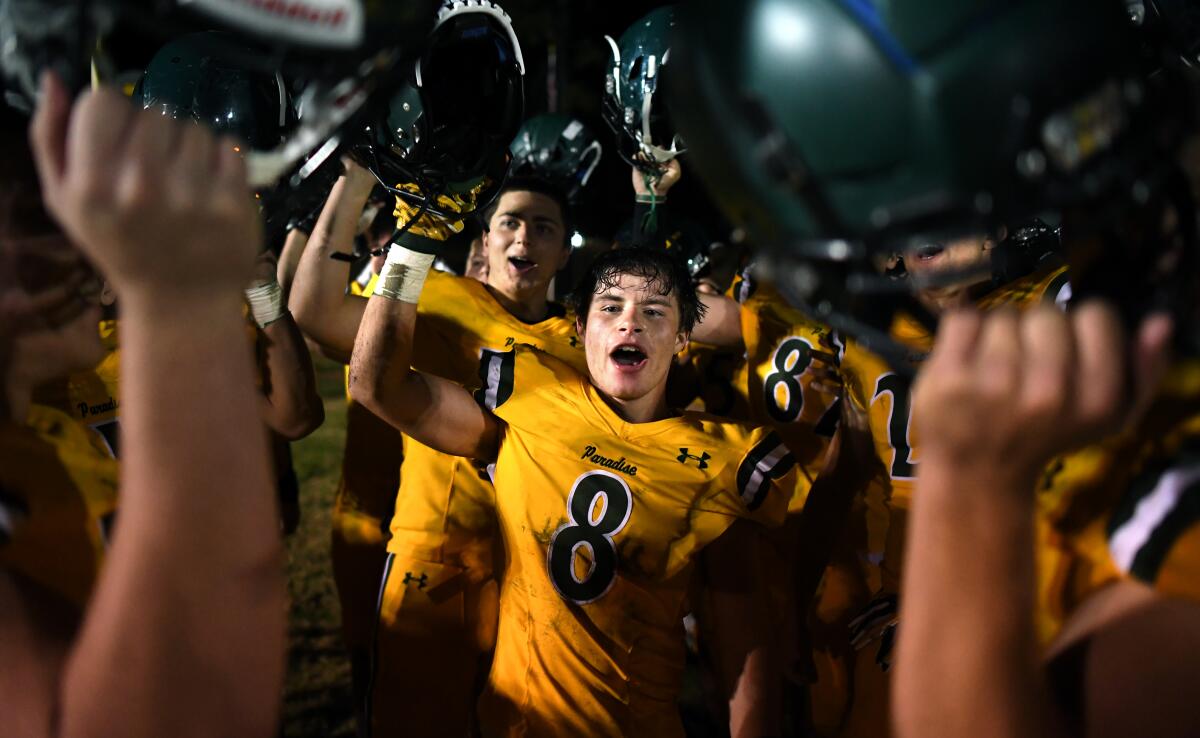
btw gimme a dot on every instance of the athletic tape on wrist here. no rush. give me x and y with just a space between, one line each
266 303
403 274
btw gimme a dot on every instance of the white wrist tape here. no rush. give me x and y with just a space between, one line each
403 274
266 303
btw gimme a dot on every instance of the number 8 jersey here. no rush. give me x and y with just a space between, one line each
602 521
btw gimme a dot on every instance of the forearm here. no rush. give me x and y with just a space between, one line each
291 405
722 322
195 547
318 298
435 411
289 259
381 377
967 661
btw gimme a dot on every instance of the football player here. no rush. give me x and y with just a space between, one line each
1061 608
436 607
606 499
190 606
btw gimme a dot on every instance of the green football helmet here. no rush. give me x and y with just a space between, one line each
557 148
633 106
447 128
190 79
840 133
338 57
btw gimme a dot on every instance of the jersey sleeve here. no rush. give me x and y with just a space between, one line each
523 383
763 480
1154 533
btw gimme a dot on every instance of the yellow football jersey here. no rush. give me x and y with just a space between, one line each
445 508
92 397
58 494
370 462
1129 506
780 341
602 521
872 384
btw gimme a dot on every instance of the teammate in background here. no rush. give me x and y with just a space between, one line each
371 460
190 557
440 146
1025 603
477 263
606 501
189 79
443 528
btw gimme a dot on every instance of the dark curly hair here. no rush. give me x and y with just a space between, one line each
660 270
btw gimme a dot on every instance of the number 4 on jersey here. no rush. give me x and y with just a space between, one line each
598 508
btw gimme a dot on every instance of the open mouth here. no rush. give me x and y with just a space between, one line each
629 356
521 265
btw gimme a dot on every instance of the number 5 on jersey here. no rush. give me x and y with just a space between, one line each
598 508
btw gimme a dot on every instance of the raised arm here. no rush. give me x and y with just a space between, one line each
318 299
721 324
434 411
185 632
290 403
968 662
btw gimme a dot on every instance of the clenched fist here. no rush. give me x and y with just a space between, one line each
1004 392
156 204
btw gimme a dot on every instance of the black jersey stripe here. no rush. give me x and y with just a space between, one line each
769 459
496 371
1150 557
372 667
1158 508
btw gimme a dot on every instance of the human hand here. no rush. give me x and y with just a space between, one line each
1004 392
665 175
159 206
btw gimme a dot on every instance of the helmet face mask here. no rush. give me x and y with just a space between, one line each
634 104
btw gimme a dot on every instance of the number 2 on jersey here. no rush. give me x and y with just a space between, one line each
598 508
899 419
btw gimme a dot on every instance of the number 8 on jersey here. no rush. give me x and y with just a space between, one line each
598 508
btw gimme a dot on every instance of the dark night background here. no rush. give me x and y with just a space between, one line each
566 58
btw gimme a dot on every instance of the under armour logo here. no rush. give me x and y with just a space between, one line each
702 459
421 580
574 342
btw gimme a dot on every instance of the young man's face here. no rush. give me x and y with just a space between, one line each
963 254
65 337
477 264
631 336
525 243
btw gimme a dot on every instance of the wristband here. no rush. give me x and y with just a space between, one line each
266 302
403 274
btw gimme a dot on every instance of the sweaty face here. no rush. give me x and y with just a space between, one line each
59 333
964 254
631 336
525 243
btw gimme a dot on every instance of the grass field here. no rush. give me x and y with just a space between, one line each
317 702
